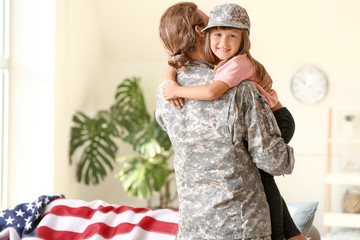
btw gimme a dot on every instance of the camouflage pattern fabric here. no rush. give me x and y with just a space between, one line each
228 15
218 146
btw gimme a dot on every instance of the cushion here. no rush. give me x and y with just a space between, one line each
346 234
303 214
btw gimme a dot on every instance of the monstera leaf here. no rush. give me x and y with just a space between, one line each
99 149
130 106
131 113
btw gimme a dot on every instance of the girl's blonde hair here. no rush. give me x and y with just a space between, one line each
177 31
260 71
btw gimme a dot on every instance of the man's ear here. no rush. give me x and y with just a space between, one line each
198 31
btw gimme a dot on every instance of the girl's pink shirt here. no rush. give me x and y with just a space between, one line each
238 69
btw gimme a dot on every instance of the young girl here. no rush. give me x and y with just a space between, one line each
227 45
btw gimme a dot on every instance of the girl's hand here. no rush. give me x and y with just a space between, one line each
169 93
177 102
169 89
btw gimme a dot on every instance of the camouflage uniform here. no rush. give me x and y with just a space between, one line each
218 146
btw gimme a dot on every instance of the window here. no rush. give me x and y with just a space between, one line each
4 79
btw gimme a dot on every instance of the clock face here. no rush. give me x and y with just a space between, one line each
309 85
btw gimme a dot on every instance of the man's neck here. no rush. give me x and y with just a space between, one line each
195 55
198 53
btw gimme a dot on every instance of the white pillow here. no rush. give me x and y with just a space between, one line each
303 214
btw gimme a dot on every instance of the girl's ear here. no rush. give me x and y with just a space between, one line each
198 31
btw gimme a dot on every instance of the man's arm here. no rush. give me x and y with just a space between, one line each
159 108
265 144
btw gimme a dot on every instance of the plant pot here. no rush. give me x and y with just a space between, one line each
348 130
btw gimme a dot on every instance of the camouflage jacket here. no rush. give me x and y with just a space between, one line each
218 147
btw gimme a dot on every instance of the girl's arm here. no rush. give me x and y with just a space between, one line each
277 106
170 76
203 92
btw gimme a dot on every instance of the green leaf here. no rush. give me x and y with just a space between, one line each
98 145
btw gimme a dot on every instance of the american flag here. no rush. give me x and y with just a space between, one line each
22 220
71 219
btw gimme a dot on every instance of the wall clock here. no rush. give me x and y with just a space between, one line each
309 85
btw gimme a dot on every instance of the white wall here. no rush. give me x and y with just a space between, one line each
100 42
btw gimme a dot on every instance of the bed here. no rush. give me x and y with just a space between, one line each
57 218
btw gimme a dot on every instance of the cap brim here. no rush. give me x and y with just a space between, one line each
225 24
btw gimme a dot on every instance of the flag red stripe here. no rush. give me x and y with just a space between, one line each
147 223
87 212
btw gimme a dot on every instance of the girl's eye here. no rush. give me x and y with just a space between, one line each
217 34
232 35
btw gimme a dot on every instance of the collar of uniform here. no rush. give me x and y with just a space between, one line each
200 63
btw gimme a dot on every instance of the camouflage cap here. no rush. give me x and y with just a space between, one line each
228 15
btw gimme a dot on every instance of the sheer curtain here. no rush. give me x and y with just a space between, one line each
4 80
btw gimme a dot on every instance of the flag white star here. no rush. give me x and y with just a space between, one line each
46 200
28 225
9 220
2 214
37 215
28 219
38 204
19 213
29 206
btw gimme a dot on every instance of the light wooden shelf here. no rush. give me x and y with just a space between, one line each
344 141
335 144
348 220
343 178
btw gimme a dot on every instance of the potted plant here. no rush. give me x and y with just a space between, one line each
141 174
